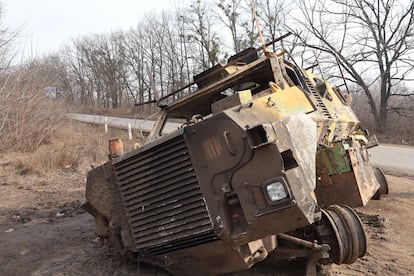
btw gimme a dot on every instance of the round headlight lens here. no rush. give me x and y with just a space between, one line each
276 191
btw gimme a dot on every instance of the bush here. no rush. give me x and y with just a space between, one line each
27 117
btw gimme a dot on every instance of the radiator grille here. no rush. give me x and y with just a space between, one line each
163 200
317 100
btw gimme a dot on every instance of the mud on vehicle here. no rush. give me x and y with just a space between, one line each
265 166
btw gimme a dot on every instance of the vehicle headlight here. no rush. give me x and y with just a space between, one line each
276 191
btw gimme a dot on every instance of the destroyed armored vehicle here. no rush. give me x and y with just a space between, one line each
258 172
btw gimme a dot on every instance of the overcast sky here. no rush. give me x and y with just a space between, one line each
48 24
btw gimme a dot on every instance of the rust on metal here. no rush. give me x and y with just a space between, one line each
116 148
267 155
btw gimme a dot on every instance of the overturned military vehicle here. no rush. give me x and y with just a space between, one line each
259 170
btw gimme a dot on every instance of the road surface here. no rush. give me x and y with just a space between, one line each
391 158
394 158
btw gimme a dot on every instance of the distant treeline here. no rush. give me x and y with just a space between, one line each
162 53
373 43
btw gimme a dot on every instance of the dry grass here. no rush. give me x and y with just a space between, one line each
72 148
27 117
75 147
53 175
36 136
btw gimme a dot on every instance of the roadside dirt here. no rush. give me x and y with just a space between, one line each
389 225
43 230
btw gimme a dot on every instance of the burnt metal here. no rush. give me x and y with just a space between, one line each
200 101
272 42
238 183
337 238
217 69
319 251
245 56
357 229
342 230
308 244
345 172
144 103
383 182
163 200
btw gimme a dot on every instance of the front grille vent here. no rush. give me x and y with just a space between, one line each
162 199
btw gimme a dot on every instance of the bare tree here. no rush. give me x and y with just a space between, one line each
134 58
248 24
272 14
200 23
77 74
7 39
374 42
229 15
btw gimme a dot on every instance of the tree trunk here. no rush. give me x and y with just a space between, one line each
381 122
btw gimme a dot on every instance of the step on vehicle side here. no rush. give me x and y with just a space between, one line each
267 156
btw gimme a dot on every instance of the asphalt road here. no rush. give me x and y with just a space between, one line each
392 158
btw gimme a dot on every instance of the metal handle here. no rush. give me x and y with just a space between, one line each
226 135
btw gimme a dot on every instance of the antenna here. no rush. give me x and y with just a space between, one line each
259 30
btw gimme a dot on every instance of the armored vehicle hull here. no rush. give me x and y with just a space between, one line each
266 156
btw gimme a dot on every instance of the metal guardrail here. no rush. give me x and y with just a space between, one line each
122 123
391 158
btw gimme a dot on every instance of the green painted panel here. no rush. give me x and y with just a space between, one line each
334 160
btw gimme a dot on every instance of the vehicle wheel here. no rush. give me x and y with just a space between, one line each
382 180
342 230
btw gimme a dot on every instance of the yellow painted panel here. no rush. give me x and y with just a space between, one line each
291 101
